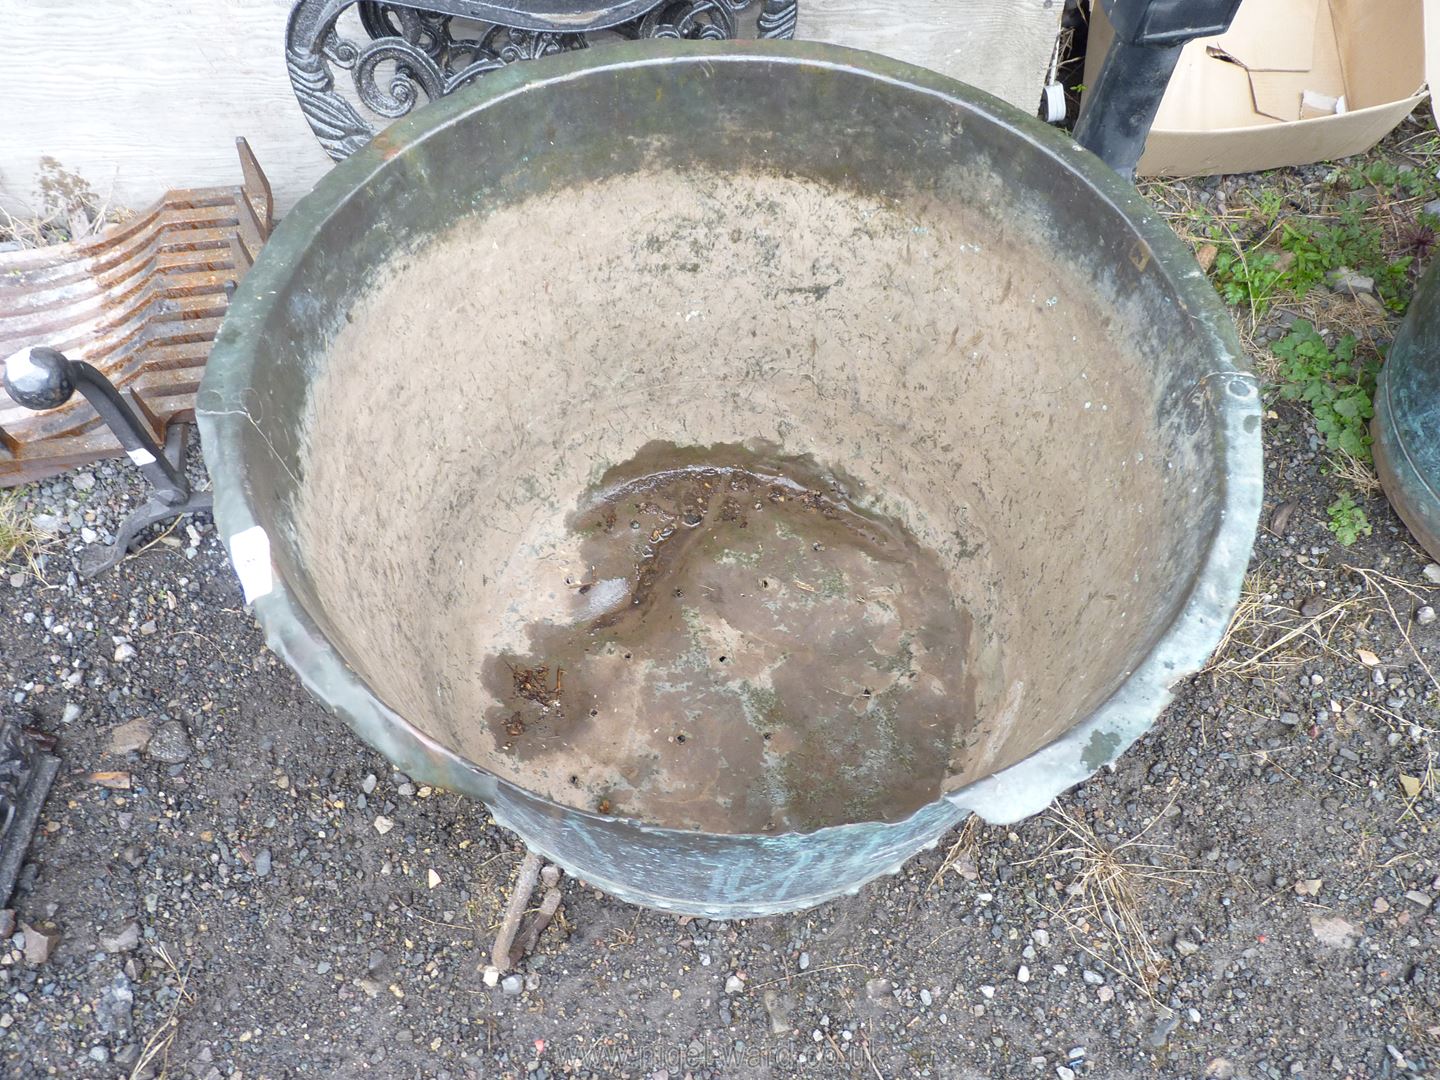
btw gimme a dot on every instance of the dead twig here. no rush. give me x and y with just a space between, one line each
807 971
550 875
519 899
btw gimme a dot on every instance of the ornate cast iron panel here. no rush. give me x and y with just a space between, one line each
415 54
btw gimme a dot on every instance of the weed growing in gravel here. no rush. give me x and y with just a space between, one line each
1278 244
1347 521
1316 248
1338 386
1387 177
1307 251
1247 280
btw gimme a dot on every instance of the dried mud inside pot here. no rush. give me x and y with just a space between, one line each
678 548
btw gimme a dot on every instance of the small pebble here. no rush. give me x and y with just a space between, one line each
1161 1033
511 985
123 940
1023 975
170 744
123 652
734 984
1425 616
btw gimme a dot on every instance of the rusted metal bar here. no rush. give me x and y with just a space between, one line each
141 301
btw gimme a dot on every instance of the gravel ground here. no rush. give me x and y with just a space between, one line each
1249 894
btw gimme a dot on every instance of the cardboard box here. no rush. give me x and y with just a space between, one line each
1290 83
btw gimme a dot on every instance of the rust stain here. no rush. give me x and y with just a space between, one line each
388 147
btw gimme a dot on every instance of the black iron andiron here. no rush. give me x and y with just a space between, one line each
42 378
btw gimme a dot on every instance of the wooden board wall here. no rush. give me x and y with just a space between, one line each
137 96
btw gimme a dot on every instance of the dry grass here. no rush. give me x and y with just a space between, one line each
1423 1024
83 218
20 542
1381 585
154 1057
1107 894
962 858
1426 787
1365 318
33 232
1359 475
1268 638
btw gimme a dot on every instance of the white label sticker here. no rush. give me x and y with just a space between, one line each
141 456
250 552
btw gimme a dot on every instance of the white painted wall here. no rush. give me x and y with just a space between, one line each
137 96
